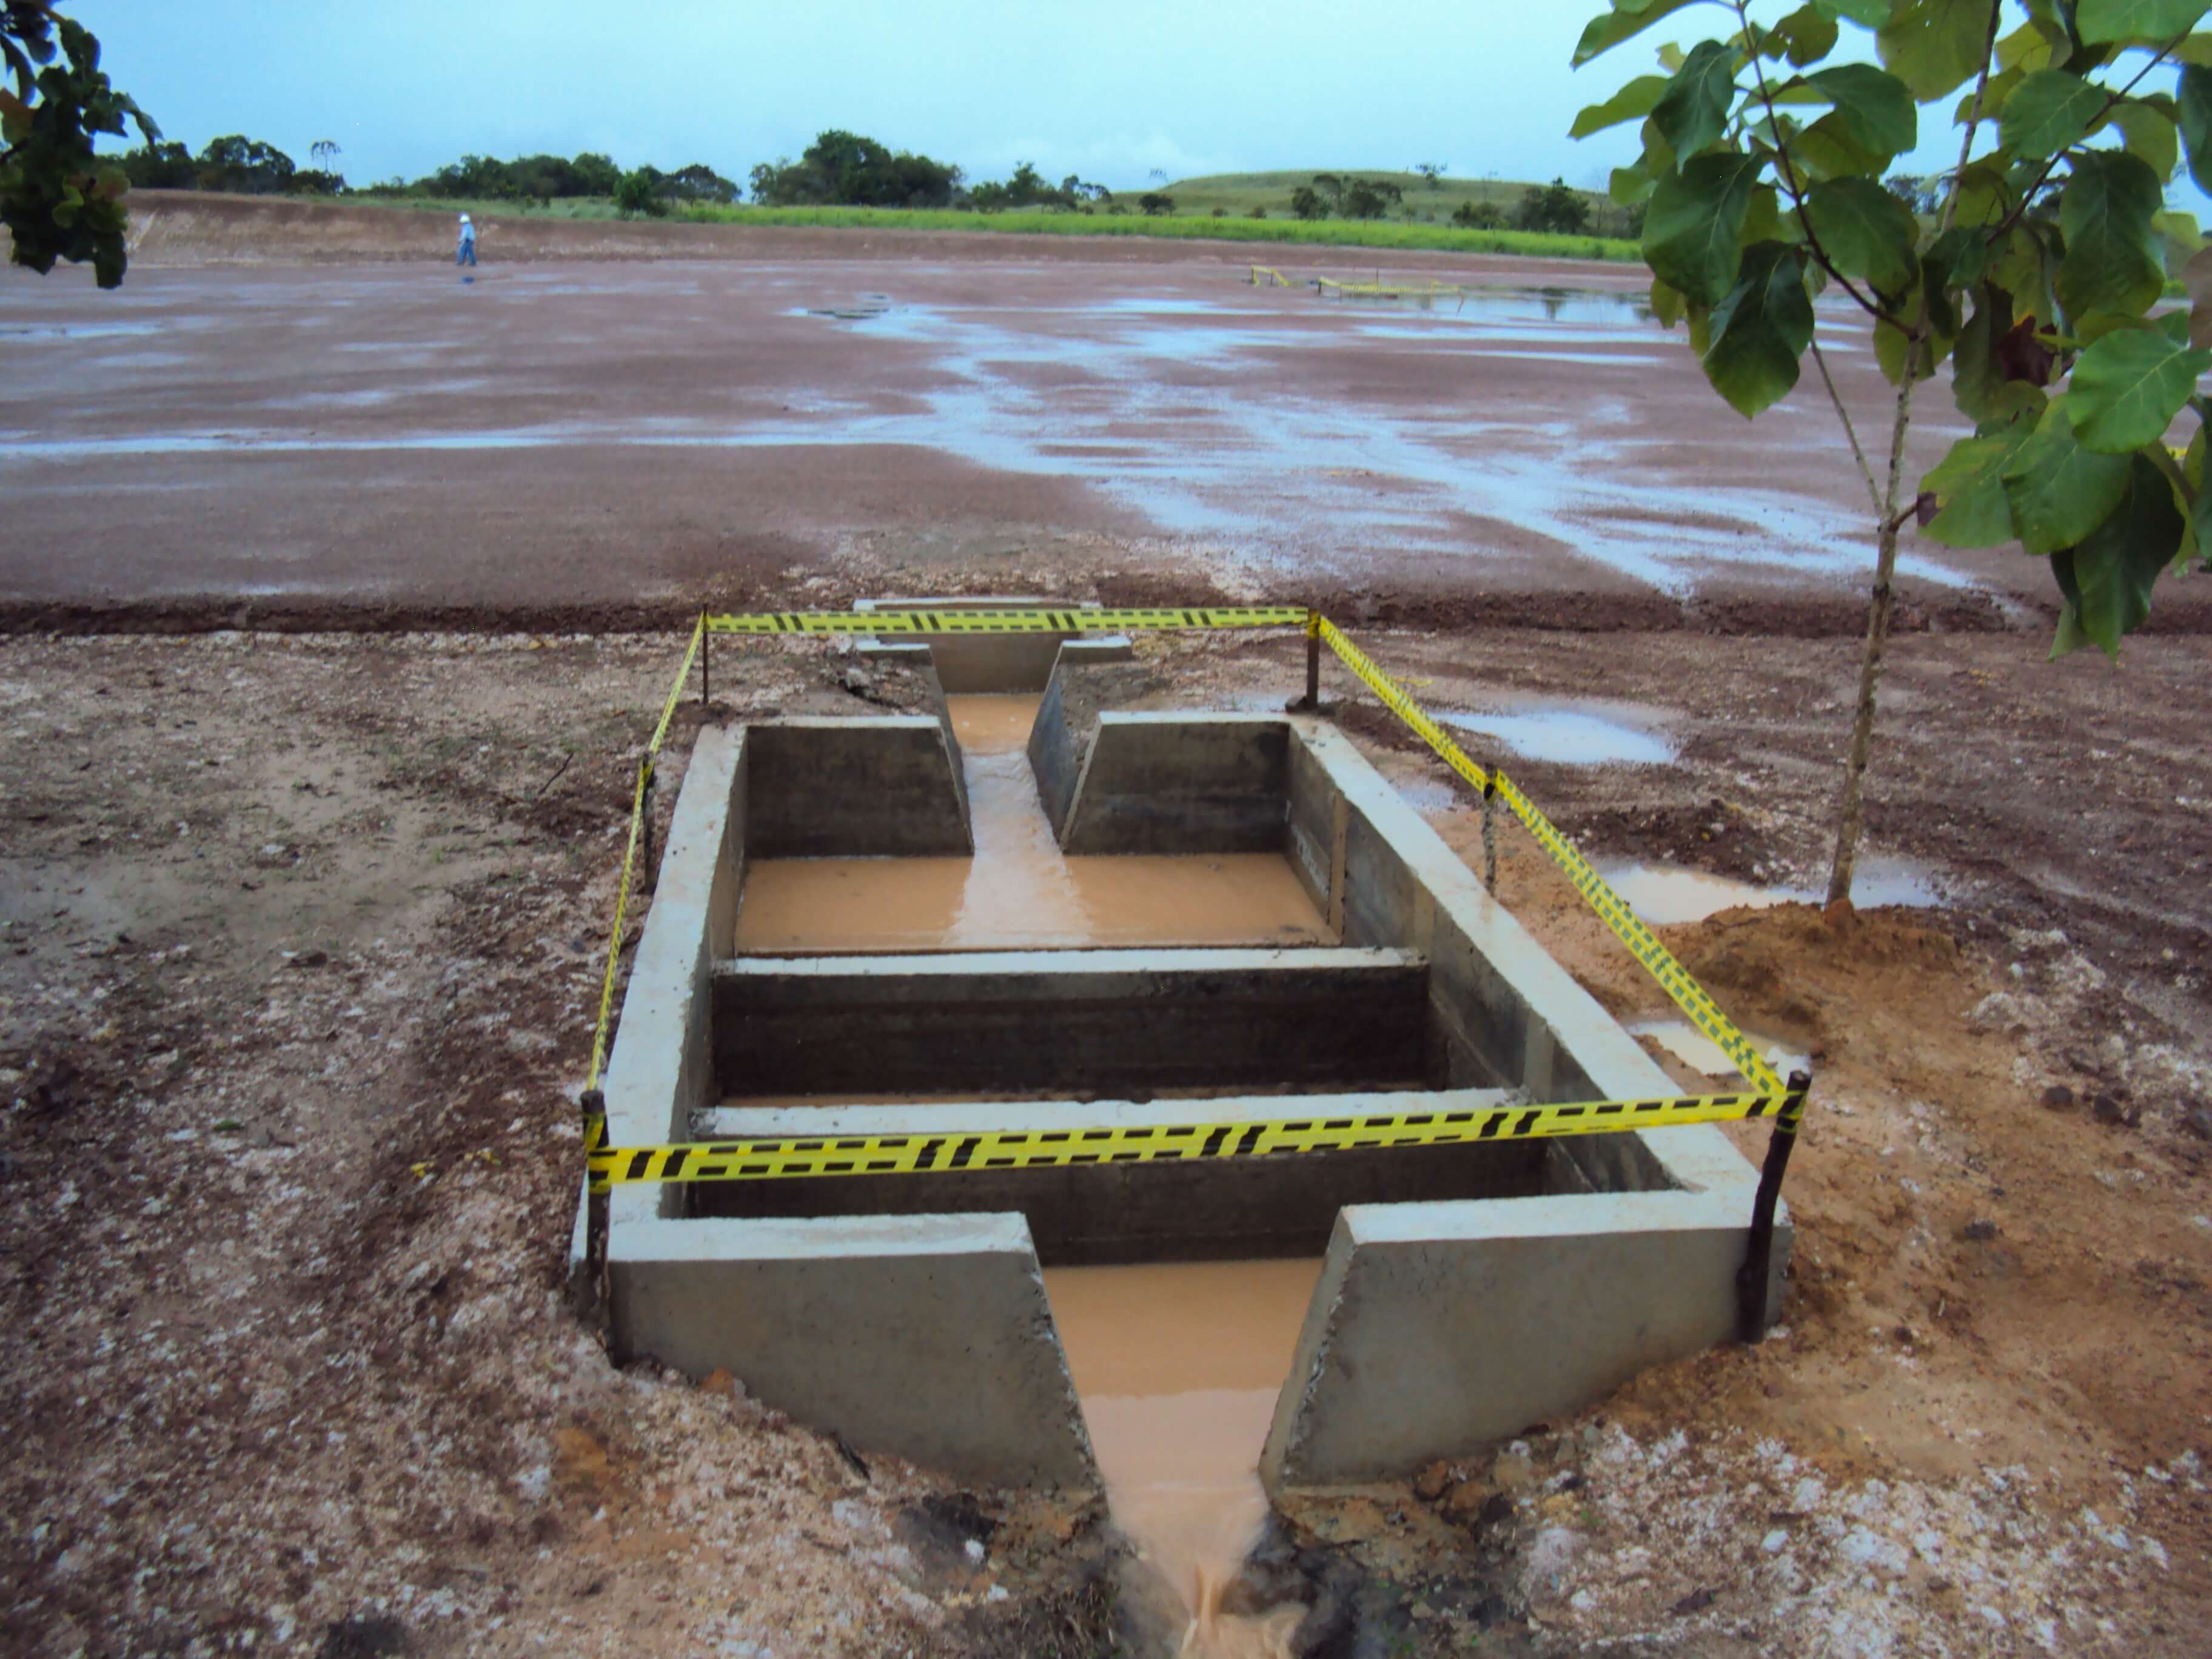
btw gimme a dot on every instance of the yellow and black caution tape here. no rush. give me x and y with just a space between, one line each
1063 621
794 1158
1268 276
1613 910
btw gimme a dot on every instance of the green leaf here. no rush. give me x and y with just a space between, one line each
1807 36
1827 149
2050 111
1969 483
1762 220
2150 134
1867 14
2020 265
1635 98
1865 230
1608 29
1874 108
1694 111
1630 186
2028 48
2128 386
2112 259
1666 303
2159 21
1934 46
2193 112
1760 330
2106 578
2197 49
2058 490
1977 377
1693 229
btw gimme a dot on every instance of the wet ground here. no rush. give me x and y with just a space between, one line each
588 438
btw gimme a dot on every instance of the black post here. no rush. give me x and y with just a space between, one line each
1751 1278
1310 703
706 654
1490 834
591 1293
645 877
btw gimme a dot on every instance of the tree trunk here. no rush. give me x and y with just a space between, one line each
1851 810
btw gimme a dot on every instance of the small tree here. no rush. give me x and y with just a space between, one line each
1479 215
1155 203
636 192
1433 171
58 200
1306 203
1762 166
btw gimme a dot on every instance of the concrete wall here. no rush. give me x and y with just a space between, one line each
1102 1213
929 1336
1439 1327
887 787
1070 1020
1180 783
987 662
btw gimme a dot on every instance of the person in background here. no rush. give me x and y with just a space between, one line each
466 253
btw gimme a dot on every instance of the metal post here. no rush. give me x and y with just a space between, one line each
1311 702
646 880
1758 1257
1490 835
593 1292
706 655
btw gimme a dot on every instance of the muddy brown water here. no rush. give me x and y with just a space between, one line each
1177 1366
1019 891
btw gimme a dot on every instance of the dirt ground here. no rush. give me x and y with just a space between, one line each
300 949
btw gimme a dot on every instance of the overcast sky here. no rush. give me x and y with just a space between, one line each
1108 91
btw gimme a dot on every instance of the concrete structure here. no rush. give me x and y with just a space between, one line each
1468 1291
989 662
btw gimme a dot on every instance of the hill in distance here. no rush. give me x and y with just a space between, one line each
1240 193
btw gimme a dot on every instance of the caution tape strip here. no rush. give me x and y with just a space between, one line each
1008 622
795 1158
1613 910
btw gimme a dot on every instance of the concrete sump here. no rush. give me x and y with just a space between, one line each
1463 1292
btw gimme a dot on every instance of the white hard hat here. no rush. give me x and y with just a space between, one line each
465 218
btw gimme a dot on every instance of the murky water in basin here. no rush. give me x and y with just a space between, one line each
1178 1368
1019 891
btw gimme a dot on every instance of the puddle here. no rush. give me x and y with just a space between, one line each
1019 891
1665 894
1570 736
1701 1054
1177 1368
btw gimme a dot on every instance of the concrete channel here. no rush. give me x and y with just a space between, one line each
1459 1294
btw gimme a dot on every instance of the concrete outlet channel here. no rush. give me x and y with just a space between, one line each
1462 1292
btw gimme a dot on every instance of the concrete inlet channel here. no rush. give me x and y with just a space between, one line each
1046 908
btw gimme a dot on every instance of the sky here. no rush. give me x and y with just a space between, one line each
1110 92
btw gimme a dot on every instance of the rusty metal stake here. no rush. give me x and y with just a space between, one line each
706 656
1489 836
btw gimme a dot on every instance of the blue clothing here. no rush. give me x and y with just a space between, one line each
466 253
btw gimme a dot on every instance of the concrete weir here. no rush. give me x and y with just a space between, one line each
1464 1292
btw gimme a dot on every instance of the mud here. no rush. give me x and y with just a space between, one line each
1665 894
1019 891
594 442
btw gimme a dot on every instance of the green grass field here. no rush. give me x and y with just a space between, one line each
1197 223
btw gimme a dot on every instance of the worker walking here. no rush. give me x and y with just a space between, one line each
466 253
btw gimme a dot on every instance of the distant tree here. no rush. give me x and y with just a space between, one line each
594 174
1921 191
1155 203
1554 207
1331 188
1369 198
248 166
1479 215
160 166
696 183
1259 209
323 151
1026 187
638 192
1433 171
845 169
57 199
1306 203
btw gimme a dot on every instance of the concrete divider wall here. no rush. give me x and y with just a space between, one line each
887 787
1069 1020
988 663
1180 783
928 1335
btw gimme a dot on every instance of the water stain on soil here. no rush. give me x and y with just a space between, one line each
1667 894
1568 736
